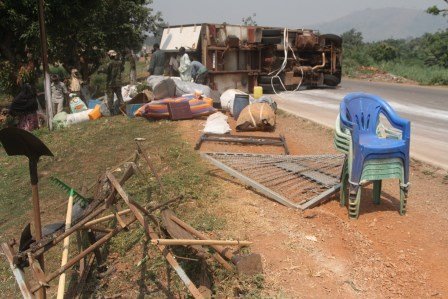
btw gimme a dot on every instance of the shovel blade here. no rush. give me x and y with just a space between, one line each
249 264
18 142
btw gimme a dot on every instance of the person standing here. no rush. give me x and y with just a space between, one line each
157 62
24 108
184 65
58 93
199 73
75 82
113 84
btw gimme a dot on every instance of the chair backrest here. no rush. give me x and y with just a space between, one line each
364 110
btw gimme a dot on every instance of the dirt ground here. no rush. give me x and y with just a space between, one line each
320 252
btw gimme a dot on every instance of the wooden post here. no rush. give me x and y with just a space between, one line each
43 42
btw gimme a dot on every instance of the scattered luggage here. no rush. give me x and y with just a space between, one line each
257 116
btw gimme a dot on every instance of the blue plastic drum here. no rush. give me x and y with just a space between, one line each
240 102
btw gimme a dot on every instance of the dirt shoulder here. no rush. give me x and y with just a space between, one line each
382 254
316 253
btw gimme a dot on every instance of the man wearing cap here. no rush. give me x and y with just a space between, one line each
58 93
113 85
157 63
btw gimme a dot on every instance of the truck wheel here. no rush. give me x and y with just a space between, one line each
271 32
267 80
267 88
332 39
331 80
271 40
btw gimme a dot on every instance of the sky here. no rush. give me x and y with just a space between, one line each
281 13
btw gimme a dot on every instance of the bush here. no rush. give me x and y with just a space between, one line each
60 71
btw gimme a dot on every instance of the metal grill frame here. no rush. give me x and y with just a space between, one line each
272 160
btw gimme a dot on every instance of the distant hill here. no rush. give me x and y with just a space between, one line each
384 23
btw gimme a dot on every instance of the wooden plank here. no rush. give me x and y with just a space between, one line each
199 242
18 273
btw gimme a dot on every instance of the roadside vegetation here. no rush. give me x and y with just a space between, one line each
423 59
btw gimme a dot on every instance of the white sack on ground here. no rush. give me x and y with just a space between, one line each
161 87
183 88
217 124
227 99
128 92
79 117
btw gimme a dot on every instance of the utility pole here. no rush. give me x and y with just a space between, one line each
47 86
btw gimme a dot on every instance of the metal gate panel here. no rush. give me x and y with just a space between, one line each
294 181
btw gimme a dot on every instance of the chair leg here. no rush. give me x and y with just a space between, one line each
377 192
344 191
403 199
354 202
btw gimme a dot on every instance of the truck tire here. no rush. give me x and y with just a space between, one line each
271 40
271 32
332 38
267 88
331 80
267 80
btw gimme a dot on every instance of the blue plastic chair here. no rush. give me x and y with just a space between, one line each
360 113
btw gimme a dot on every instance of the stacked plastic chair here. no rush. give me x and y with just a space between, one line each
373 153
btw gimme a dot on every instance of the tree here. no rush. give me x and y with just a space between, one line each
79 32
250 20
383 51
435 10
352 38
433 48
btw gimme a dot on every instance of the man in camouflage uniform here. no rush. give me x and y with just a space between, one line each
113 85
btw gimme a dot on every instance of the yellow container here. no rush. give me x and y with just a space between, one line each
258 92
96 113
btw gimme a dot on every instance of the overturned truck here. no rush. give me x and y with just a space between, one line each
242 57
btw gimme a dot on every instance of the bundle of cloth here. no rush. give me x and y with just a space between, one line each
256 116
159 109
164 87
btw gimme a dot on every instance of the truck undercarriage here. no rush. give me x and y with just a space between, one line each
242 57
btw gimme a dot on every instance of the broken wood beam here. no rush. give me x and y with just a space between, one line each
82 254
127 211
18 273
246 264
199 242
150 165
153 235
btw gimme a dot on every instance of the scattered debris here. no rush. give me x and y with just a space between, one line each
241 139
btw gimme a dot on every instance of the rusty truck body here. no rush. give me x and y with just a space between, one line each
246 56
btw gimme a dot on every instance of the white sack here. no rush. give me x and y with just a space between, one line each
217 124
79 117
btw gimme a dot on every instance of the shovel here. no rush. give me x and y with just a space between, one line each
18 142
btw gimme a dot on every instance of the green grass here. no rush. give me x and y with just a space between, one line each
426 75
86 150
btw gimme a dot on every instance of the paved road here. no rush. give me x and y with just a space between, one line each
426 107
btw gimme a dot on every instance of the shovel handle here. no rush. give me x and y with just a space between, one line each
33 170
